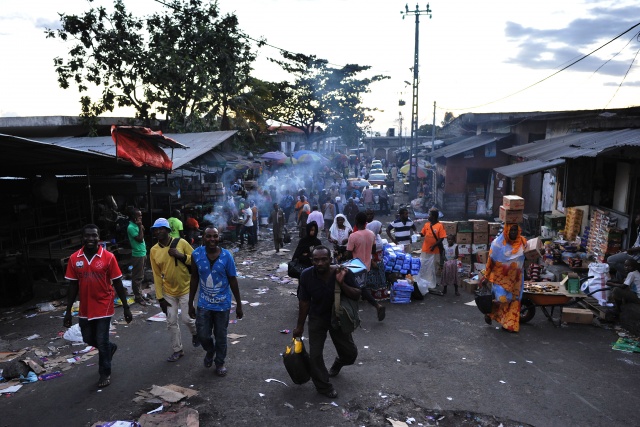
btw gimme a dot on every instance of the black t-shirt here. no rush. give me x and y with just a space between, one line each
320 293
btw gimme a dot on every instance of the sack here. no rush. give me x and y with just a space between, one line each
286 237
344 313
296 361
294 269
484 299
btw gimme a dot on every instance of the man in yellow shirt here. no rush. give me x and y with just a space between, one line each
171 261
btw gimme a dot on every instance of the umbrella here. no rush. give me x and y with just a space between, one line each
420 173
274 155
359 182
299 153
311 157
287 161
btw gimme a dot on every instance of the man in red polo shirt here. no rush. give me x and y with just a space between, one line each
93 273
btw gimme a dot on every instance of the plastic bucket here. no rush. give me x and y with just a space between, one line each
264 220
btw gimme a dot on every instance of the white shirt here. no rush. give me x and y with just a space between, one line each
633 281
248 213
317 217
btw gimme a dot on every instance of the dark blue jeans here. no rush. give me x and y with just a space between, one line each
96 333
218 322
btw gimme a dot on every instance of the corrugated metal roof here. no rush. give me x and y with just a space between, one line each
525 168
572 146
197 143
71 156
468 144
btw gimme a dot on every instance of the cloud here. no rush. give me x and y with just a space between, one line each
556 48
616 84
44 23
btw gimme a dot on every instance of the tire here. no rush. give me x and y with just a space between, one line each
527 310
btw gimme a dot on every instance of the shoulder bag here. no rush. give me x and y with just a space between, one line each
344 313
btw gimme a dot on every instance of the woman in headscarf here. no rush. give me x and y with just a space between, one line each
339 235
504 270
302 222
303 251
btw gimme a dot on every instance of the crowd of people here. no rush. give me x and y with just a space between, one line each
200 283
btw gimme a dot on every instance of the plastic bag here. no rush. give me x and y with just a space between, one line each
296 361
600 273
73 334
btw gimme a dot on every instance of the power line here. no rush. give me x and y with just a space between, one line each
546 78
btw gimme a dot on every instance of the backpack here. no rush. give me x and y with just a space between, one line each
173 245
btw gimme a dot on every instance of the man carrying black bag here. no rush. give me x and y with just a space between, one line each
316 299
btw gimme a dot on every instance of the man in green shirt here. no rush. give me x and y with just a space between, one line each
177 229
135 232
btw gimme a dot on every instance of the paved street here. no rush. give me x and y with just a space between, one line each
427 360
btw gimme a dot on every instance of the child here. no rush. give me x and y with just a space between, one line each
629 291
450 268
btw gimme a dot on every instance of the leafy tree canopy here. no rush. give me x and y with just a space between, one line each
322 95
188 62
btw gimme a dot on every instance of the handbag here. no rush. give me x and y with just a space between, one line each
484 299
296 361
344 313
294 269
286 237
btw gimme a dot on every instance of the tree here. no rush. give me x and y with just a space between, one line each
448 118
427 130
321 94
187 62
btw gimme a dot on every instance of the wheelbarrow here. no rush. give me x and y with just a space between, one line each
549 301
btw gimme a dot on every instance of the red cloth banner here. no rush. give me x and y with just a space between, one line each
137 145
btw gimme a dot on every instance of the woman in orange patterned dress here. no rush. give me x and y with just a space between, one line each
504 270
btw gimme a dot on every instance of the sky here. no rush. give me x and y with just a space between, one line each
474 56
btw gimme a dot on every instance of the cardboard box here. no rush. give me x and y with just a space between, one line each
481 238
465 249
532 250
515 203
464 238
482 256
478 248
451 227
480 225
510 216
465 227
577 315
494 228
478 266
469 285
465 258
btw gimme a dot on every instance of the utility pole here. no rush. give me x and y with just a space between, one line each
413 169
434 190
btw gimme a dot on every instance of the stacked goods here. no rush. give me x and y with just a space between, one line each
555 222
401 292
573 223
533 272
451 227
604 238
398 262
512 209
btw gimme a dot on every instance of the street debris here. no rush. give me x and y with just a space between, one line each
278 381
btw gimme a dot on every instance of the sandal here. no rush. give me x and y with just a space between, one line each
175 356
381 313
208 360
114 347
104 381
331 393
221 371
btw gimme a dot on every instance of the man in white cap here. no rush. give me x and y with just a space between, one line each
171 261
